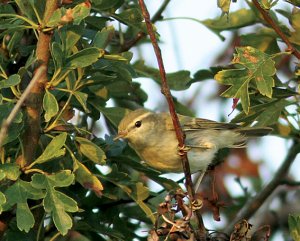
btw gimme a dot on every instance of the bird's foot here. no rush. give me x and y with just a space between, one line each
182 150
197 204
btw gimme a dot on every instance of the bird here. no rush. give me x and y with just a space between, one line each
152 136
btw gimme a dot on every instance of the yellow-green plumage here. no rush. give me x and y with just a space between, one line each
156 143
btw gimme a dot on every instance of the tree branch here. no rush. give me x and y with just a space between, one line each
35 97
200 235
254 204
270 21
140 35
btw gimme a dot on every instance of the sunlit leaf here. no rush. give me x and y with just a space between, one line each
294 226
54 149
85 57
91 150
50 106
87 179
255 67
10 171
11 81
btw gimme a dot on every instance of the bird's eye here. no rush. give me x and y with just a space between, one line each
138 124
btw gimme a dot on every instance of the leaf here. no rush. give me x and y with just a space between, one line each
294 226
17 194
80 12
113 114
2 201
295 22
131 16
10 171
84 57
179 80
88 179
55 202
82 99
50 106
234 20
11 81
55 18
54 149
263 114
57 55
103 37
91 150
255 66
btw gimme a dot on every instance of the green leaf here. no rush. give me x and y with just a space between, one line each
295 21
294 226
55 202
179 80
113 114
80 12
50 106
263 114
82 99
54 149
103 37
55 19
240 18
91 150
17 194
107 5
10 171
11 81
88 179
255 66
2 201
131 16
57 55
85 57
73 35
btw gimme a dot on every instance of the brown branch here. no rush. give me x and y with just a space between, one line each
201 233
140 35
35 98
271 22
254 204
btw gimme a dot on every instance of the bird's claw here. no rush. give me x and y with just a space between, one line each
182 150
197 204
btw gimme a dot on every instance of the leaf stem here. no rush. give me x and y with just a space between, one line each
201 233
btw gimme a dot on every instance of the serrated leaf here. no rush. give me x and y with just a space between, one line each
91 150
88 179
255 66
55 202
54 149
50 106
12 80
10 171
294 226
85 57
17 194
82 99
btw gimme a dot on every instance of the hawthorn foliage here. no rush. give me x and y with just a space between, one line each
61 181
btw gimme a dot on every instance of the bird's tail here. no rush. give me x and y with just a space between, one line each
254 131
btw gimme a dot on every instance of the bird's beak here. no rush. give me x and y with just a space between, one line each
120 135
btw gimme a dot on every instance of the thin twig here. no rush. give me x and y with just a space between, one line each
140 35
200 234
7 122
254 204
270 21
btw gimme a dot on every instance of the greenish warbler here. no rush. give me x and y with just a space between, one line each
153 137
